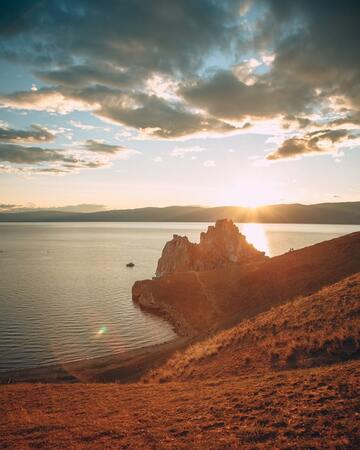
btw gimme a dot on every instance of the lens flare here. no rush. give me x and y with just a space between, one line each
101 330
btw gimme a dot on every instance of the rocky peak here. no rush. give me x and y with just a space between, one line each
219 246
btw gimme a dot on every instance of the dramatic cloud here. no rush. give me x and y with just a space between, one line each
148 113
157 117
87 75
35 134
225 96
323 50
317 142
314 69
166 35
177 68
134 42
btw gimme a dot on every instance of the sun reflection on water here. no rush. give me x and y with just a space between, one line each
255 234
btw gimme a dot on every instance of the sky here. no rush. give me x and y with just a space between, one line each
124 104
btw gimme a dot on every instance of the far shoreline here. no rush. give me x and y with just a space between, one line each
49 221
330 213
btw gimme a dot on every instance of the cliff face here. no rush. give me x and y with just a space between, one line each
219 246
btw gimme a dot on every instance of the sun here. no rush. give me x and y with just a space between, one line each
252 194
254 202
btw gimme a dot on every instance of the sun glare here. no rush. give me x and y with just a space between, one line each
255 234
253 202
251 193
257 195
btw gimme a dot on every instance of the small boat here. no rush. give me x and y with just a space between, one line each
130 264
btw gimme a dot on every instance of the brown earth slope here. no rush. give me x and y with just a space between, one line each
265 383
309 408
199 302
310 331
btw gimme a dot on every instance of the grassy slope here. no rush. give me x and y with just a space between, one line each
309 408
214 400
309 331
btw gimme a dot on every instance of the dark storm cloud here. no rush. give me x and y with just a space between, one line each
14 16
316 142
83 75
163 35
322 51
225 96
35 134
328 33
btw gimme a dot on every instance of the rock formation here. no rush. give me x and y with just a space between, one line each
198 302
219 246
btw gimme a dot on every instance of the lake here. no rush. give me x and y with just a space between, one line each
65 290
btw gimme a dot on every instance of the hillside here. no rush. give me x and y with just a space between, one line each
320 329
198 302
322 213
287 378
312 408
225 392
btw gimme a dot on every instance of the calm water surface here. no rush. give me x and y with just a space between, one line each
65 292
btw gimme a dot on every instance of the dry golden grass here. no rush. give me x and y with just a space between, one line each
296 409
320 329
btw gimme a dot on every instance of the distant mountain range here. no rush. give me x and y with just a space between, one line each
322 213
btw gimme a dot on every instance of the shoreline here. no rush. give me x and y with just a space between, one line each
126 367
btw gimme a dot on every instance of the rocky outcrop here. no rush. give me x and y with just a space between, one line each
198 302
219 246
